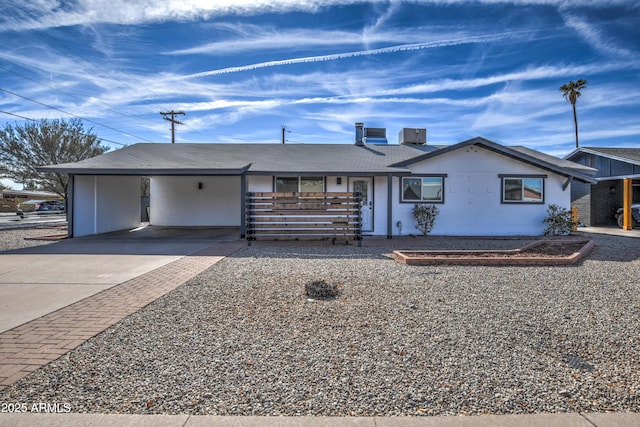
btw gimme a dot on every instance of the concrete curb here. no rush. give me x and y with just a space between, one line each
626 419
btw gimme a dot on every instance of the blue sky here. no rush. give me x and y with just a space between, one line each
242 69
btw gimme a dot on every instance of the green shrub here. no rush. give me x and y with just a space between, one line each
559 221
425 216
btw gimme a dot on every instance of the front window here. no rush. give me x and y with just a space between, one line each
286 184
294 184
312 184
423 189
522 189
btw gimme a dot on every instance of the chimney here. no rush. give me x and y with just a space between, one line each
359 133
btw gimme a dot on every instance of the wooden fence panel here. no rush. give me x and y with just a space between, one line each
287 216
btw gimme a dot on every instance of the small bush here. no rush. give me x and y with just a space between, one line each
425 216
559 221
319 289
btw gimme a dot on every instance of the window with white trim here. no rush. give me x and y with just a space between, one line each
429 189
522 189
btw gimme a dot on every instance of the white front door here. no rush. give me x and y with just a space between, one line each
364 186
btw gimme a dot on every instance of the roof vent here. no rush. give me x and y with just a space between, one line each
375 135
413 136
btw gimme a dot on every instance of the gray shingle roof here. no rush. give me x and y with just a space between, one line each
562 163
630 154
322 159
217 159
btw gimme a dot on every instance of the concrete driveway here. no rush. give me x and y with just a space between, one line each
39 280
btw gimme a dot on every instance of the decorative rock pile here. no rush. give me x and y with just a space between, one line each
320 289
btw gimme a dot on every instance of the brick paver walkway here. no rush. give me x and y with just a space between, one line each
34 344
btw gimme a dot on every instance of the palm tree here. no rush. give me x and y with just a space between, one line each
571 91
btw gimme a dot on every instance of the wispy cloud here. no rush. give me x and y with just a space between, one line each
527 74
43 14
346 55
596 37
460 74
369 33
254 38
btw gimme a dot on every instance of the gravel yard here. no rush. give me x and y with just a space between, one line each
242 338
17 238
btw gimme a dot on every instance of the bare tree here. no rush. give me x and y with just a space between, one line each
47 142
571 91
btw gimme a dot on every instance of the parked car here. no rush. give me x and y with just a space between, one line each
635 215
41 206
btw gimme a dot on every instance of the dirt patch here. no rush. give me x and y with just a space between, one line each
546 249
543 252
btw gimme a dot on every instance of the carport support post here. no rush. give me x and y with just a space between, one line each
69 201
389 206
243 200
627 189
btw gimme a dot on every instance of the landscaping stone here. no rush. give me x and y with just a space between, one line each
241 338
320 289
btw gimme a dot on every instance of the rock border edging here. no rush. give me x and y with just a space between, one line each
469 257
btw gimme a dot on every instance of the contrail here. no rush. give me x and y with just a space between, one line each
321 58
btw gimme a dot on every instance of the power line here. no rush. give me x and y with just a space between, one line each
74 115
75 55
74 96
17 115
57 43
34 120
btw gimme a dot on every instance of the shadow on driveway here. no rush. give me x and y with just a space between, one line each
149 240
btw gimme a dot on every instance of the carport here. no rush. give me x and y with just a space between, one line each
185 189
618 184
616 192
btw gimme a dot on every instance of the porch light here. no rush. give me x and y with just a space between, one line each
200 186
612 189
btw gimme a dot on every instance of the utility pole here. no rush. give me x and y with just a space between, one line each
284 130
173 121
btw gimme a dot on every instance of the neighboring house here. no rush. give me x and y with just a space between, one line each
11 199
479 186
597 203
22 195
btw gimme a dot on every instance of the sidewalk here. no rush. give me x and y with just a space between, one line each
612 230
542 420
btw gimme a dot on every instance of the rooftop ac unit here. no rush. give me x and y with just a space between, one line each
417 136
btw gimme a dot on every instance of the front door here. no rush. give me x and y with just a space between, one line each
364 186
